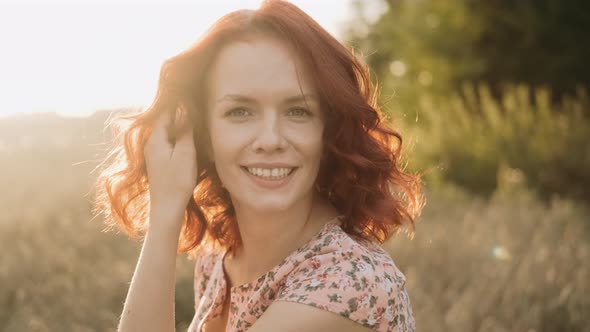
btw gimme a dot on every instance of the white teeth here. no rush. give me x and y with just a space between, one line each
270 174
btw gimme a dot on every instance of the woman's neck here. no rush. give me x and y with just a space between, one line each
266 241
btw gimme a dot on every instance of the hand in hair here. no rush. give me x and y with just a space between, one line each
171 163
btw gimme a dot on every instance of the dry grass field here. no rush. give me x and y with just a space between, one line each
510 263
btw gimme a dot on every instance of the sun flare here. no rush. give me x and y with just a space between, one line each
75 57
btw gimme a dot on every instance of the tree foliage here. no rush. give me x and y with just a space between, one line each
438 45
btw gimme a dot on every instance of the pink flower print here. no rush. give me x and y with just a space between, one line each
322 306
389 314
375 315
377 312
344 284
315 283
387 285
371 321
364 269
289 283
315 263
323 277
364 301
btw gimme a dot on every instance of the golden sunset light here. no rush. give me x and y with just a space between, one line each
301 165
75 57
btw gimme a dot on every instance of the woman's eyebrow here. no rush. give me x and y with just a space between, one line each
245 99
236 98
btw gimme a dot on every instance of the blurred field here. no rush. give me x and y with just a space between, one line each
507 263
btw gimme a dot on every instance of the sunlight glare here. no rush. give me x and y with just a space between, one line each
75 57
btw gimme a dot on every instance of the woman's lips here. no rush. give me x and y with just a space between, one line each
270 184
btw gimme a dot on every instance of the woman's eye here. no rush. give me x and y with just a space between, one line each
236 112
299 112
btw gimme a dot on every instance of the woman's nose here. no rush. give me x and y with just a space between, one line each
269 137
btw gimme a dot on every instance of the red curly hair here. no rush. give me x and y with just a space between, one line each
359 171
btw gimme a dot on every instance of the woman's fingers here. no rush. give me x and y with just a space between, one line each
158 144
186 137
185 142
171 167
158 139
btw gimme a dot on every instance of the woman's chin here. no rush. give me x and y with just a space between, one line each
271 207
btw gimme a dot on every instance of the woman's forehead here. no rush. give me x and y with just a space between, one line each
262 66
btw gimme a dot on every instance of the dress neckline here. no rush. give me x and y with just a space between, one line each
252 284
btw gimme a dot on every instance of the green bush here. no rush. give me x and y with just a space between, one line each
465 138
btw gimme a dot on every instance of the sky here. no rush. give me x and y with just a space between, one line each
75 57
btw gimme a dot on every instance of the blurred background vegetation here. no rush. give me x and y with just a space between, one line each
485 84
491 99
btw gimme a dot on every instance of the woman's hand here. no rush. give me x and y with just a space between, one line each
171 166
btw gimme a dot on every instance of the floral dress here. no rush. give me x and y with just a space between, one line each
354 278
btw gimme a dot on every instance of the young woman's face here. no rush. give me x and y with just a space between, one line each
266 141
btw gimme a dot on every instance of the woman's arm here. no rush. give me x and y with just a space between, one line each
172 176
150 301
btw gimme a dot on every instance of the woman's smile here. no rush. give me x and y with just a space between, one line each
270 178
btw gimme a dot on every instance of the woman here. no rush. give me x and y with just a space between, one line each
265 157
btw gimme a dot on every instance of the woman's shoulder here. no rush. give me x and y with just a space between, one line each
355 278
335 252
